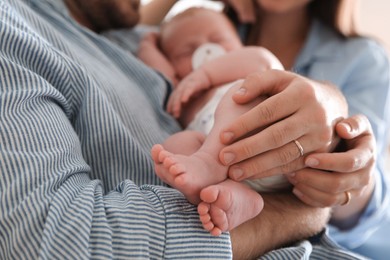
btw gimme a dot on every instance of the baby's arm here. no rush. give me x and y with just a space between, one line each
239 63
230 67
151 55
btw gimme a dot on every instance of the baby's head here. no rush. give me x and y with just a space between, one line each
185 32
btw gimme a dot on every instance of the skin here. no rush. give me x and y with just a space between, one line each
154 12
194 168
178 45
265 226
284 27
351 172
262 236
263 222
313 115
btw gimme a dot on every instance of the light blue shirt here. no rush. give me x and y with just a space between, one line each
78 118
360 68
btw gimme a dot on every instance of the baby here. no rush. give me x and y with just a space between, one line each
200 52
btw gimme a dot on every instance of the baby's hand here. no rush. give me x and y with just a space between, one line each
193 84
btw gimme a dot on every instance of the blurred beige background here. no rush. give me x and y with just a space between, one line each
374 19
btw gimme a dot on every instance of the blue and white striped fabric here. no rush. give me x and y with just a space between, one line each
78 118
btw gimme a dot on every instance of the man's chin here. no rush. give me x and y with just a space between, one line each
101 15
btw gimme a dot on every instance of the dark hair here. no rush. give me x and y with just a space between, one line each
337 14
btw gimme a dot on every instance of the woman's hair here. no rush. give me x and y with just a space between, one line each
337 14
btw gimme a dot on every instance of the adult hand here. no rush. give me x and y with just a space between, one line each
245 9
330 175
343 179
297 109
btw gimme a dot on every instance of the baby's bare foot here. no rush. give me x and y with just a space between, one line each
188 174
226 205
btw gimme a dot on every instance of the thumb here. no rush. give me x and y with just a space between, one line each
353 126
267 83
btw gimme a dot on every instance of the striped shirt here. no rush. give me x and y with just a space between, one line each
78 118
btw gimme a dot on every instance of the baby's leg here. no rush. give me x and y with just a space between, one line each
184 142
226 205
180 143
190 174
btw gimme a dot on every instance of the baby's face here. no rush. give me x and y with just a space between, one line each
183 36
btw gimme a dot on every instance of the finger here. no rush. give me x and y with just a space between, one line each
269 82
270 138
353 126
360 156
176 102
271 110
188 92
349 161
170 104
318 198
177 107
329 182
285 160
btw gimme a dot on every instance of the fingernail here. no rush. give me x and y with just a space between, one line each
347 126
227 137
291 179
291 174
228 158
241 91
236 173
297 193
312 162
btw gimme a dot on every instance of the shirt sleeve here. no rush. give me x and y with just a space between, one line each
50 207
367 89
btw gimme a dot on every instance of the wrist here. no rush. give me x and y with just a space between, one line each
204 77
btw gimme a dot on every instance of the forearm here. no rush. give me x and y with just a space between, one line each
284 220
153 13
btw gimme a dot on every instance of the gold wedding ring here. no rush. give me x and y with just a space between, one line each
300 148
348 199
